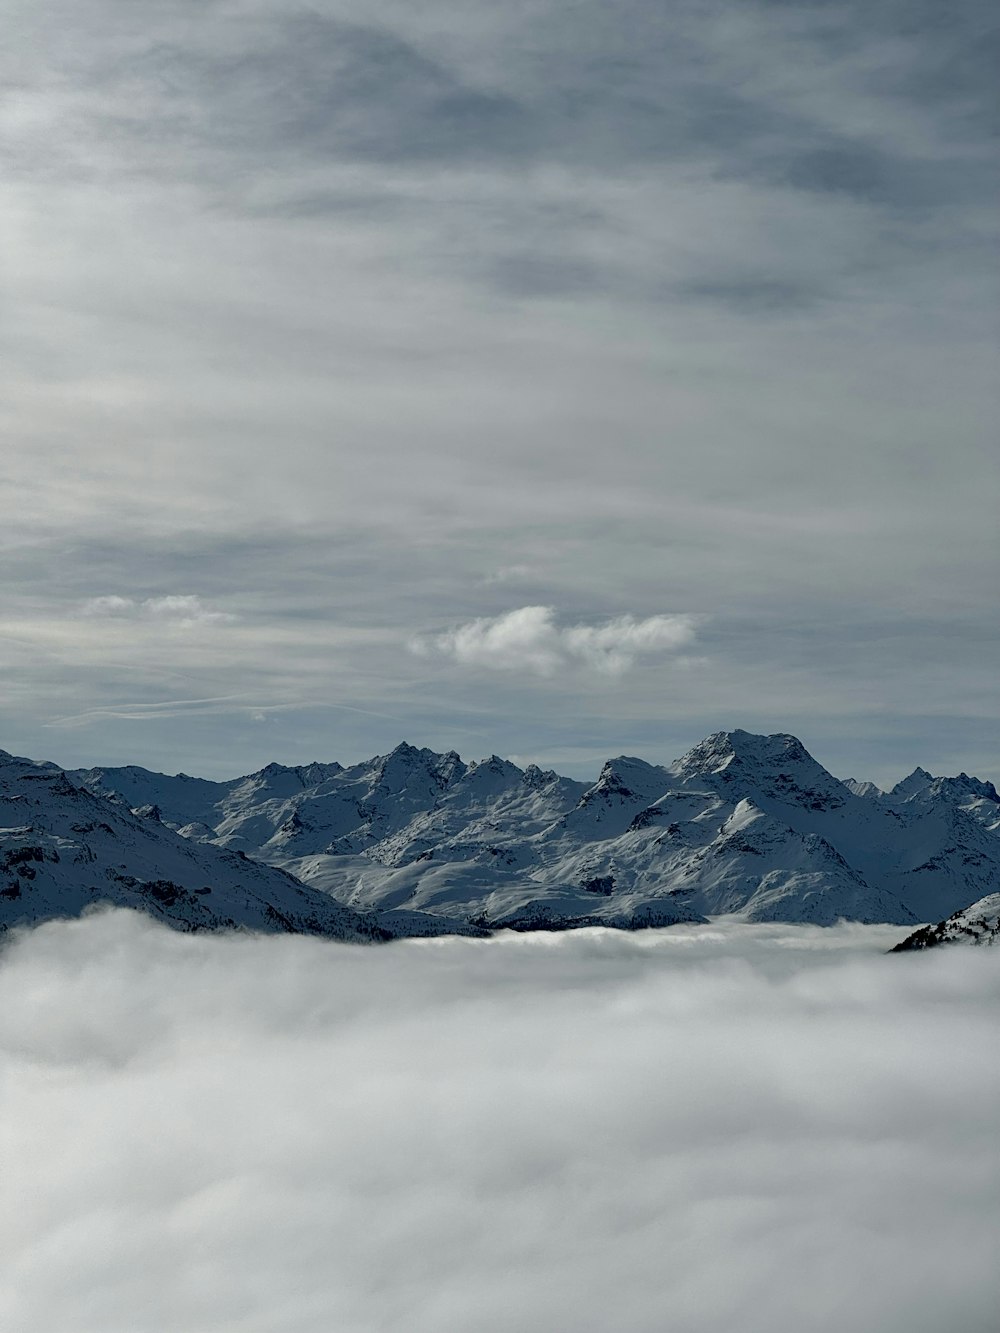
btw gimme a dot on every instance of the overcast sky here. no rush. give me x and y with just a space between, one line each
763 1128
554 380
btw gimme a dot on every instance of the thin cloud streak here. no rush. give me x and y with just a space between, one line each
223 705
163 708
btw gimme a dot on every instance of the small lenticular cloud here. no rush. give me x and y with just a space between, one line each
186 610
108 606
529 639
509 574
183 610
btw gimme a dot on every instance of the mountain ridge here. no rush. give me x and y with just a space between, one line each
742 823
66 850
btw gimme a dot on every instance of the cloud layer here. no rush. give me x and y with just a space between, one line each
761 1128
528 639
348 317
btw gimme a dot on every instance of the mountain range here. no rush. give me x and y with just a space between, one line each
415 843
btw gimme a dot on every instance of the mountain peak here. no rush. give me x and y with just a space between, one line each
711 755
494 765
778 767
493 774
963 785
622 765
407 765
409 756
913 782
719 750
402 756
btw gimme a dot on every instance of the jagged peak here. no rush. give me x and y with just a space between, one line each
407 754
626 761
777 767
722 748
396 767
963 784
261 778
404 750
913 782
626 768
495 764
316 771
625 778
448 767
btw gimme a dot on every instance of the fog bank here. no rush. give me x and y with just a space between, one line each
703 1129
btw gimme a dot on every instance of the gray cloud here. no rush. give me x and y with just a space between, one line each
755 296
325 315
795 93
917 51
318 84
771 1128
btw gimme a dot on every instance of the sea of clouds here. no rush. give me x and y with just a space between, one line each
701 1130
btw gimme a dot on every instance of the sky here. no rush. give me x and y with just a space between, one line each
768 1128
550 380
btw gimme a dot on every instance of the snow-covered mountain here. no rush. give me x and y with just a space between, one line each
978 924
977 798
64 849
741 824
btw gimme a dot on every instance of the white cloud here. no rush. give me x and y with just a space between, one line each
109 606
761 1128
186 610
613 646
529 639
510 574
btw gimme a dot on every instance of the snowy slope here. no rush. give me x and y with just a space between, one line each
932 857
64 849
742 823
978 924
